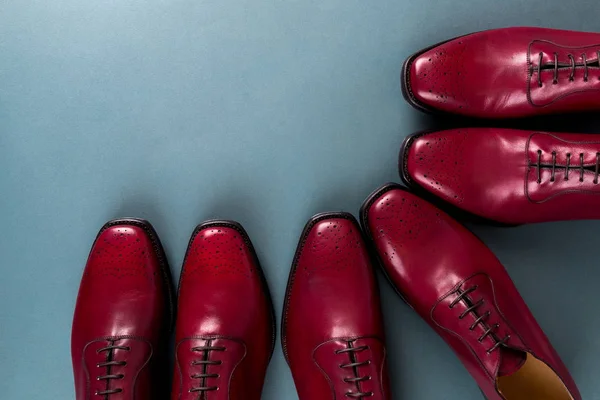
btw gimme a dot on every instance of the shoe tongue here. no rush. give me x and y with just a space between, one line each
510 361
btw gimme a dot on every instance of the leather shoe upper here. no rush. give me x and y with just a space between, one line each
506 175
122 315
225 327
455 283
508 72
333 336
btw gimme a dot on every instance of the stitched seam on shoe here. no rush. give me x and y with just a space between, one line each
529 166
529 98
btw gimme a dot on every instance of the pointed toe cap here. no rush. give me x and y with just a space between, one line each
436 162
436 78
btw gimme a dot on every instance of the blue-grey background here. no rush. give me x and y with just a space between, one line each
262 111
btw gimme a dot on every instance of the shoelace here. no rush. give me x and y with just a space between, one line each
205 362
353 364
472 307
108 364
573 66
567 167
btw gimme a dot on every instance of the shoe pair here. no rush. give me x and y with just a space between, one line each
506 176
333 338
224 330
457 285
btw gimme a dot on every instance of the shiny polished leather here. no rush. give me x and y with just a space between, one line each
122 315
442 270
506 175
333 337
494 74
225 330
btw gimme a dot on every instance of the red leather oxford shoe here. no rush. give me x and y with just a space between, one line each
510 72
506 175
460 288
225 330
332 333
123 313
